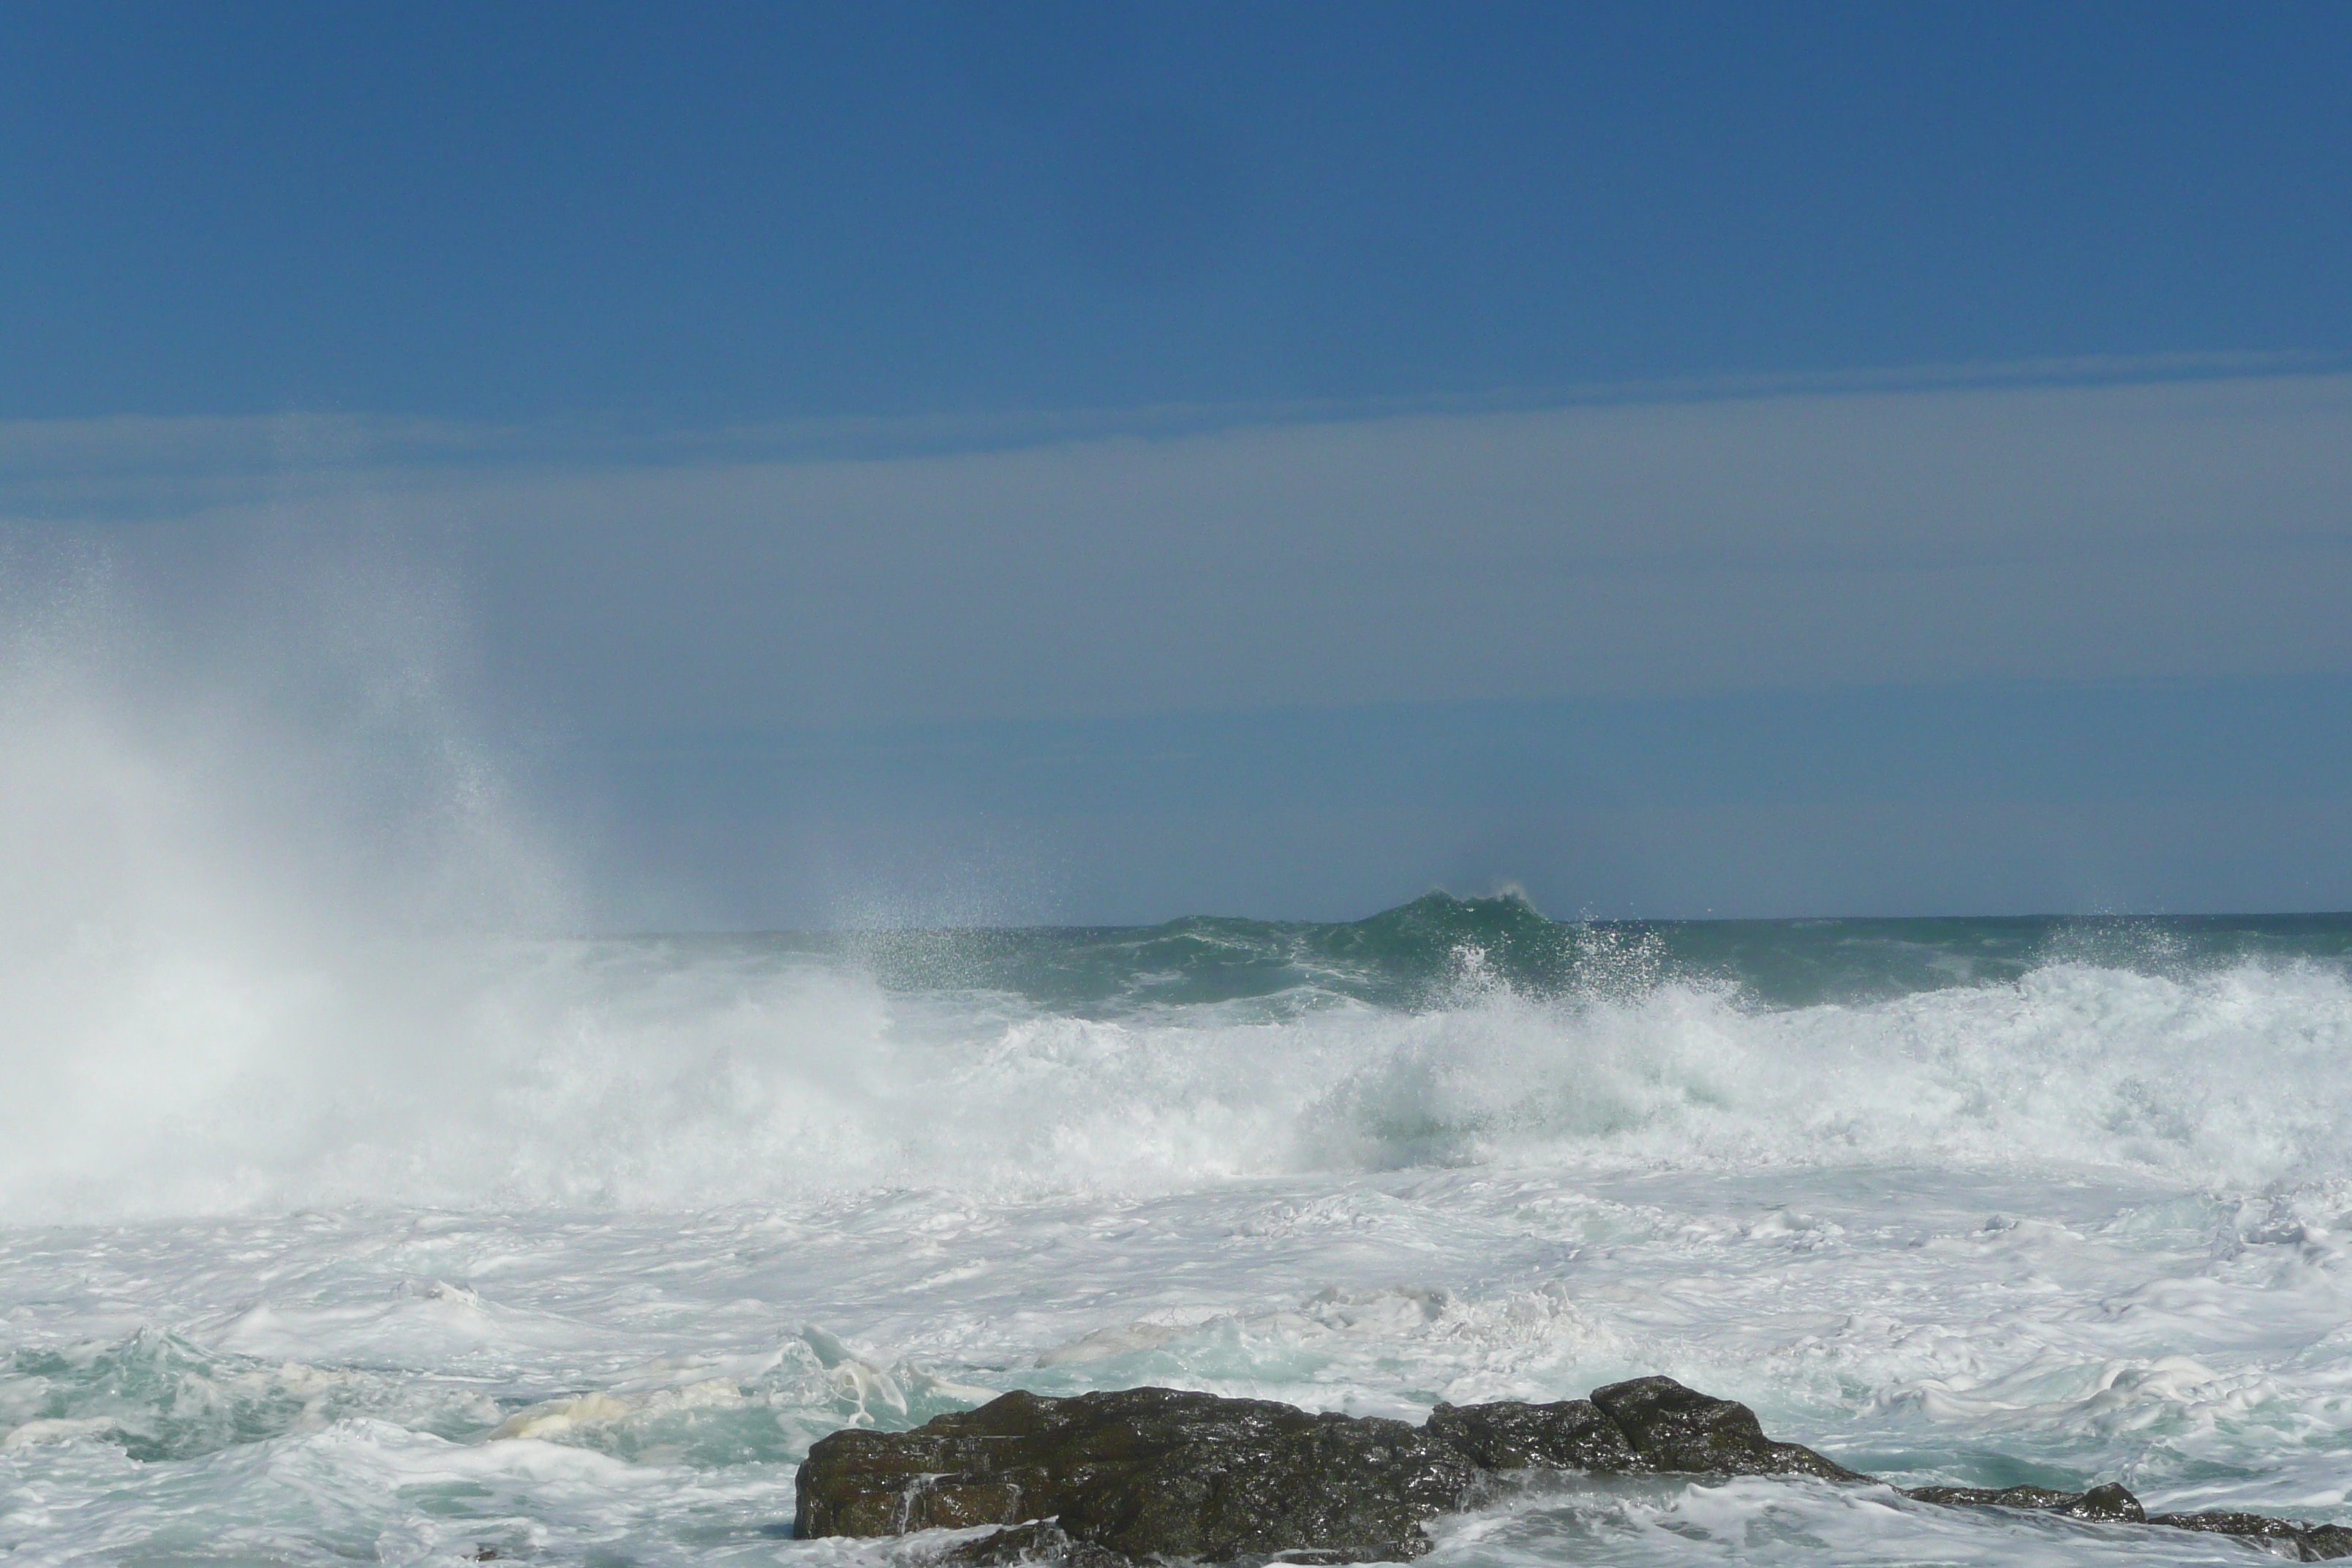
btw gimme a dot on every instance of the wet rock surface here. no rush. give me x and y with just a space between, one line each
1678 1428
1144 1471
2110 1502
1099 1480
1572 1434
2310 1542
1040 1541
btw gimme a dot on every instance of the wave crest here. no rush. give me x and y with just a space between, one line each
629 1074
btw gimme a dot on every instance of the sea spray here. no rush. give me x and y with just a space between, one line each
638 1073
253 857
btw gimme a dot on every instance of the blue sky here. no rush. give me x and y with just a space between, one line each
710 213
1100 462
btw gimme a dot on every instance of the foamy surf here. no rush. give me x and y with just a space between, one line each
638 1074
644 1383
582 1277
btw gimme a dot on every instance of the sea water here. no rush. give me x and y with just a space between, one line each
402 1248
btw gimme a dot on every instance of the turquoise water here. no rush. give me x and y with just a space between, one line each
1413 955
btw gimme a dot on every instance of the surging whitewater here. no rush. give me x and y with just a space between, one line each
333 1232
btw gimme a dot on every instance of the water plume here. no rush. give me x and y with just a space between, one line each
250 839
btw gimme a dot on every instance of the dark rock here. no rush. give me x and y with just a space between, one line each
1041 1540
2107 1502
950 1474
2222 1523
2310 1543
1045 1544
2043 1498
1099 1480
1572 1434
1676 1428
1143 1471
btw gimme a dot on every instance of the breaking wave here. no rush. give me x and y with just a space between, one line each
245 963
624 1073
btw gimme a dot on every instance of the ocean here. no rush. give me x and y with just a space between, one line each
564 1250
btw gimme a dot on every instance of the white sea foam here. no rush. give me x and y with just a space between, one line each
603 1073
